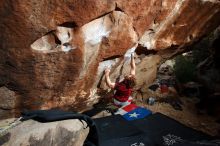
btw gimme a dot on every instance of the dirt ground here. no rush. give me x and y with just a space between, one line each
188 116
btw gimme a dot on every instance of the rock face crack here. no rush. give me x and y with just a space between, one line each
117 8
140 50
112 57
69 24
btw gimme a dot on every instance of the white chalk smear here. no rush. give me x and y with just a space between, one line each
130 51
67 48
95 31
107 64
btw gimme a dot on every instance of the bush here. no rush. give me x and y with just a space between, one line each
201 51
184 69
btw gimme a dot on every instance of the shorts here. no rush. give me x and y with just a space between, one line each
118 103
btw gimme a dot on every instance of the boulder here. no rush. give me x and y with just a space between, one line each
9 103
53 53
8 98
33 133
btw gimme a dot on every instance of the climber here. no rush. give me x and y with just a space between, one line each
122 89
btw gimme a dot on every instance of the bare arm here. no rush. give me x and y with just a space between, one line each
108 81
133 66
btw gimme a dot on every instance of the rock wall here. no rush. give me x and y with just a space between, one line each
53 52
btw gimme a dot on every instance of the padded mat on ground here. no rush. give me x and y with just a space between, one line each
163 130
156 129
116 131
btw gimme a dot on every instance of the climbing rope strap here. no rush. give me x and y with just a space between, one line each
4 130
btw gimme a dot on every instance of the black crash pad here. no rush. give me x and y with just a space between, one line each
116 131
160 128
154 130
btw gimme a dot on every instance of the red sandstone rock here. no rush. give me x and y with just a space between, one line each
143 12
187 22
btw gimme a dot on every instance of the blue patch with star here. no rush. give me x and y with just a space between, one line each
137 113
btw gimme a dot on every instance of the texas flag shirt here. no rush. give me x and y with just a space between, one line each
133 112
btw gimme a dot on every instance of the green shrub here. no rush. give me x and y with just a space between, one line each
184 69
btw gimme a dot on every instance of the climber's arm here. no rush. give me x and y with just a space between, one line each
108 81
133 66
